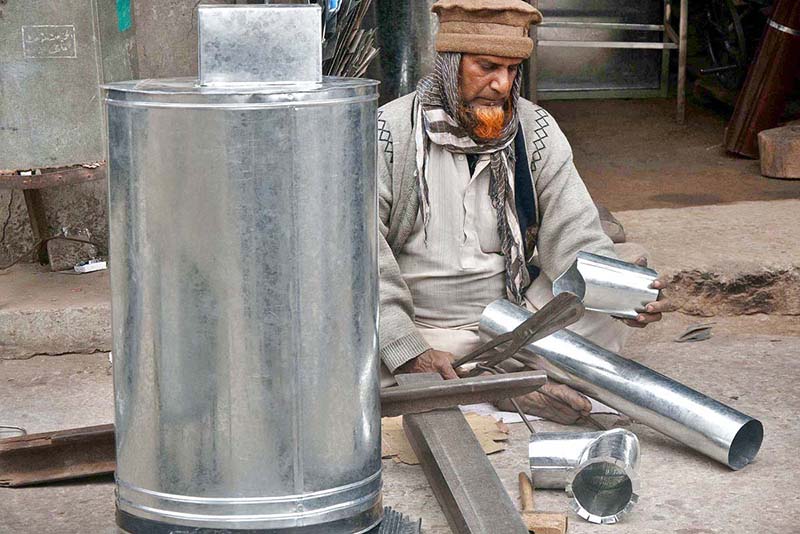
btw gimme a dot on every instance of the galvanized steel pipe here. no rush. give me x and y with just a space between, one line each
597 468
682 413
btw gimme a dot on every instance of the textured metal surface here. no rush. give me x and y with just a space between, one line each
590 68
419 398
248 44
599 469
406 39
244 291
396 523
466 485
53 56
608 285
784 29
682 413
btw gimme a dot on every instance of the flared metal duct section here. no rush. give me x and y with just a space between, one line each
708 426
244 280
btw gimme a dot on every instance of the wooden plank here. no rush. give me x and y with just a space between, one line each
538 522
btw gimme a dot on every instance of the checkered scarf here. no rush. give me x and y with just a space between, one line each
438 99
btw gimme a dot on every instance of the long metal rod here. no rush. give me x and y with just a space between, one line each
419 398
466 485
604 26
609 44
683 30
682 413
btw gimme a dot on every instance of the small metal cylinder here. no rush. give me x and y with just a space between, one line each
708 426
245 299
597 468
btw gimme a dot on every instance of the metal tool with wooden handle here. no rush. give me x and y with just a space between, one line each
538 522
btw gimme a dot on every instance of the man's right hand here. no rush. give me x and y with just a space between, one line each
431 361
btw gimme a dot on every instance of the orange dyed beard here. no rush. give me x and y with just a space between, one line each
491 121
485 122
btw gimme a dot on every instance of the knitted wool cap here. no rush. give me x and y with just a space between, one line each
490 27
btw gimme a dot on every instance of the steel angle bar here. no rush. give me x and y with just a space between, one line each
55 456
424 397
466 485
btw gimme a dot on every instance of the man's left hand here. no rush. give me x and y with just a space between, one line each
652 312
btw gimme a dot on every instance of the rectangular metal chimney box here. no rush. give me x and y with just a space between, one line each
260 44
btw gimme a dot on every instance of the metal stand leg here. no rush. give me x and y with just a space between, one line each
682 61
33 201
533 71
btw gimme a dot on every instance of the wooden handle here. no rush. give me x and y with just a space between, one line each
525 492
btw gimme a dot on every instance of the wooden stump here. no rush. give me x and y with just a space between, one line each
780 152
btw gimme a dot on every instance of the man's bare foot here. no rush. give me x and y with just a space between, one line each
555 402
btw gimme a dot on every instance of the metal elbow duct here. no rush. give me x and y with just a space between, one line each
708 426
597 468
607 285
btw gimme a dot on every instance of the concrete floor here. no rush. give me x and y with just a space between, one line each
633 156
683 492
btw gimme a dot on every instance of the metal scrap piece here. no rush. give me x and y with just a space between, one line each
396 523
466 485
696 332
54 456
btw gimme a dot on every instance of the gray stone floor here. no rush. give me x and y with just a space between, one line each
744 365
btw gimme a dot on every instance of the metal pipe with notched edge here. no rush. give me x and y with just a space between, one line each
706 425
597 468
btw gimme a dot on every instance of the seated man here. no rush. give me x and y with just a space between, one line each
479 200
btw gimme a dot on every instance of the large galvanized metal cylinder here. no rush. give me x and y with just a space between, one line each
243 225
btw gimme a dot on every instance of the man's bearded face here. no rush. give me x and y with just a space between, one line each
486 83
